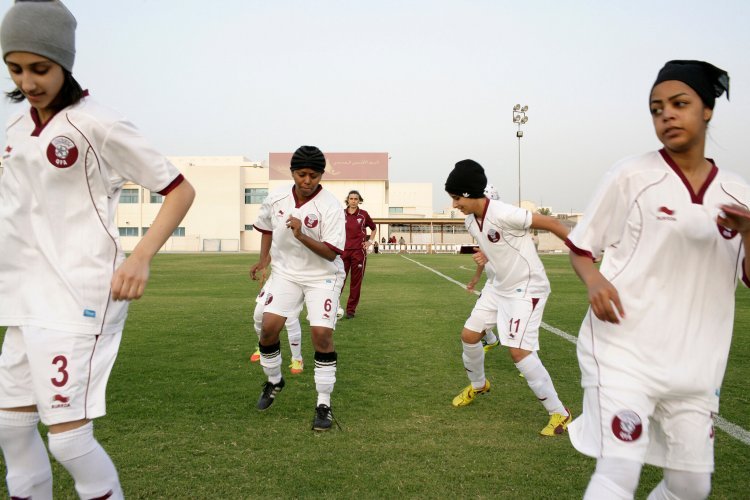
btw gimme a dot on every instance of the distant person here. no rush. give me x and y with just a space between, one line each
303 238
375 246
519 289
358 221
382 240
65 281
392 239
674 232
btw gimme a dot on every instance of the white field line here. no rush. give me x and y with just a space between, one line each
733 430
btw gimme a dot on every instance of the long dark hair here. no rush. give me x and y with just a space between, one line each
70 93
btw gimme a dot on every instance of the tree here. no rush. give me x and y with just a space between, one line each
544 211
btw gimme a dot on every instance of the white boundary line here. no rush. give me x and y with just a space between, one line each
733 430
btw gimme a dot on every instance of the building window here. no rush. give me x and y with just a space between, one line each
128 231
129 196
180 231
156 198
395 210
144 230
255 196
248 227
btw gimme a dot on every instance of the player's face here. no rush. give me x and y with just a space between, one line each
679 115
467 205
306 181
38 78
352 201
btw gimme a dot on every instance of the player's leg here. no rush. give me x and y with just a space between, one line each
483 315
258 326
283 300
294 332
520 319
72 371
490 340
613 428
356 273
614 478
682 443
28 469
321 313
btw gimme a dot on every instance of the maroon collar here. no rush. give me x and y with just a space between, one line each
696 198
38 125
297 203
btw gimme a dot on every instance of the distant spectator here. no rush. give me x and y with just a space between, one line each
358 222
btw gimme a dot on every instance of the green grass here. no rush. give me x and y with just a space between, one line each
181 420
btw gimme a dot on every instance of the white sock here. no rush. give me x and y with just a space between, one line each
541 383
270 360
29 471
83 457
473 357
489 336
615 479
682 485
325 375
294 331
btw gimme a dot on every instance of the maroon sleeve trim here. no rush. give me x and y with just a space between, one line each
745 278
262 231
578 251
337 250
176 182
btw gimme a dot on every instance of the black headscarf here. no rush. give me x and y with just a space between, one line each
708 81
308 157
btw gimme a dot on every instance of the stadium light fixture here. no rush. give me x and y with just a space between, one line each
519 118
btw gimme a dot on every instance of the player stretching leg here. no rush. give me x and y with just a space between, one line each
303 237
518 293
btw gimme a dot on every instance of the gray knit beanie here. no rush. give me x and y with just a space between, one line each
42 27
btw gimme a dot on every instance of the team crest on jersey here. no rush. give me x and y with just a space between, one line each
62 152
725 232
311 221
666 214
269 299
60 401
493 236
627 426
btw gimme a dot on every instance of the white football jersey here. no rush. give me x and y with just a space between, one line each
322 219
503 236
58 195
675 270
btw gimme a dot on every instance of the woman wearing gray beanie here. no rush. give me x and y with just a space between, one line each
65 282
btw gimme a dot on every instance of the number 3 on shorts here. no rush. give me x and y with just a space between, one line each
62 363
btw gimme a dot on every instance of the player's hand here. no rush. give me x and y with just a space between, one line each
295 225
479 257
734 217
605 301
129 280
471 284
259 267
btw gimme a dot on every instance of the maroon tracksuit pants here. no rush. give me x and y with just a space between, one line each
354 265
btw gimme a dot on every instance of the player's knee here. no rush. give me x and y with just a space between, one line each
688 485
69 445
322 338
518 355
618 477
470 336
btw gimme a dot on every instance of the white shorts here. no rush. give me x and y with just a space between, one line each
484 314
675 434
285 298
64 374
518 321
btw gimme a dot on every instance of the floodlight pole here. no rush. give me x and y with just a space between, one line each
520 118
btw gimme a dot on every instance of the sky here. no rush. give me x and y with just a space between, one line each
431 82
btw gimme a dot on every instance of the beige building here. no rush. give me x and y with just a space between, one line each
230 190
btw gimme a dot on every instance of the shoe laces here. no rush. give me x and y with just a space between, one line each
268 388
325 412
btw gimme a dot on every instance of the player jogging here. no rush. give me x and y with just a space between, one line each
355 250
520 289
64 280
674 233
303 238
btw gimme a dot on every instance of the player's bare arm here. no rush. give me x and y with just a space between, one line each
480 258
318 247
738 218
551 224
130 279
264 260
475 279
603 296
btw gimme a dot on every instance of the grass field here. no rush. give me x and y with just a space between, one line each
182 422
